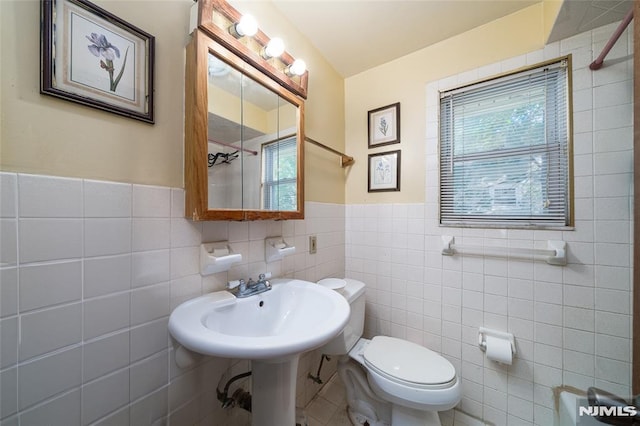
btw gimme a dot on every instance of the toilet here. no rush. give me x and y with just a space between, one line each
390 381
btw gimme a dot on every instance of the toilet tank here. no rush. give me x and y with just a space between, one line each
353 291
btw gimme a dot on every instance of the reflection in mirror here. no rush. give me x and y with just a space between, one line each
283 190
252 143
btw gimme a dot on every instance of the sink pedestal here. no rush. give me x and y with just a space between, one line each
273 392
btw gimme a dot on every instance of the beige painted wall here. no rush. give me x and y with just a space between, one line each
45 135
404 80
42 134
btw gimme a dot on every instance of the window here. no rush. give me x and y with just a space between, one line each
505 151
279 175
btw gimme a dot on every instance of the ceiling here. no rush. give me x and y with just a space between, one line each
356 35
577 16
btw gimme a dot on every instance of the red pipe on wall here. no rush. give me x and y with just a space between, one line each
597 64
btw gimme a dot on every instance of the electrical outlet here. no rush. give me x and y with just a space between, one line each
313 244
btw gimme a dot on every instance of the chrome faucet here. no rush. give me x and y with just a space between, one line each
241 289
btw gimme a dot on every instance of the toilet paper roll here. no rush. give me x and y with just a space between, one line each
279 246
499 350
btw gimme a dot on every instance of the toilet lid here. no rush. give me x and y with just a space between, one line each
408 361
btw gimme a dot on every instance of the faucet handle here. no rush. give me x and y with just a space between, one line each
264 276
233 284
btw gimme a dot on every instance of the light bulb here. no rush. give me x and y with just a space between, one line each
248 26
298 67
274 48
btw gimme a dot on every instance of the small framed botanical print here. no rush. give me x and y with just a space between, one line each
384 171
384 125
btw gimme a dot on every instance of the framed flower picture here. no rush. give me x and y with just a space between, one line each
384 125
94 58
384 171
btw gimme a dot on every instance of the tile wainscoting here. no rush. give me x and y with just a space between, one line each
89 273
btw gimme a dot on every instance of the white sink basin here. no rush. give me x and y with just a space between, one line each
293 317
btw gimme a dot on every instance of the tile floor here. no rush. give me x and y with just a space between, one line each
329 407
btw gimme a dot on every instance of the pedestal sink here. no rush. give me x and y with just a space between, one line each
271 329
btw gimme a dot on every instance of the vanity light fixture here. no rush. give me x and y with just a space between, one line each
247 26
241 35
298 67
273 49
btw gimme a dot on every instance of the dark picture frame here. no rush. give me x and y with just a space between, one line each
94 58
384 125
384 171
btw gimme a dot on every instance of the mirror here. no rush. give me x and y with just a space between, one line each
251 143
243 139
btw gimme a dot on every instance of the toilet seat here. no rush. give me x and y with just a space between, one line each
396 372
407 363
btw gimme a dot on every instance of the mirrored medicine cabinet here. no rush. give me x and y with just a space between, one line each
244 125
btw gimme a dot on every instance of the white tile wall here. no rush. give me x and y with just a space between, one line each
572 324
89 273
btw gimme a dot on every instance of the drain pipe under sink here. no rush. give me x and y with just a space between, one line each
240 397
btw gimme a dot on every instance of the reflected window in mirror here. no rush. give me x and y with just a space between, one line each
279 179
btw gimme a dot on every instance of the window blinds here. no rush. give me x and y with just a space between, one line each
279 178
504 150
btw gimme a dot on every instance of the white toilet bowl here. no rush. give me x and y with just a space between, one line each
390 381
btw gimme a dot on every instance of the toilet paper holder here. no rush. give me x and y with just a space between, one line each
484 332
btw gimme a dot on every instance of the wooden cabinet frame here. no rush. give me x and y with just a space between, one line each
196 144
